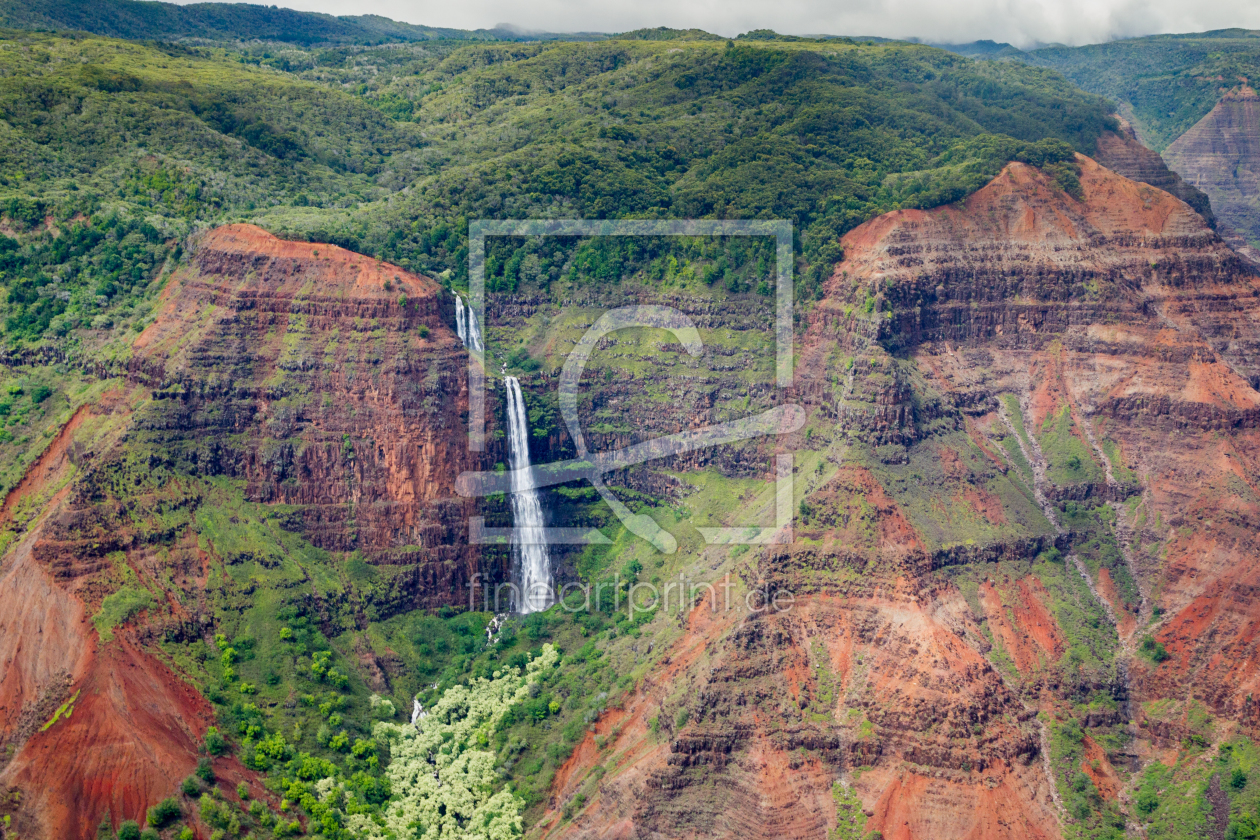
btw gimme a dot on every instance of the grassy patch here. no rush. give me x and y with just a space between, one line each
118 607
1069 459
65 710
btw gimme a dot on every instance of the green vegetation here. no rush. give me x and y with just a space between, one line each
1166 83
224 22
1178 802
164 813
1089 815
117 152
1097 547
119 606
813 132
826 134
1089 639
1153 650
65 710
849 817
1069 458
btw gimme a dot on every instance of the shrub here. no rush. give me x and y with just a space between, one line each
1238 779
1155 650
130 830
214 743
190 787
165 812
205 772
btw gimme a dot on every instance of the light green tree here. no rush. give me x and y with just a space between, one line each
444 785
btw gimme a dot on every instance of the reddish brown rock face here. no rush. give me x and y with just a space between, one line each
1122 153
1120 334
319 379
317 355
1220 155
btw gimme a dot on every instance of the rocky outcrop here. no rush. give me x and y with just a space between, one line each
326 381
317 383
1124 154
1220 155
1040 412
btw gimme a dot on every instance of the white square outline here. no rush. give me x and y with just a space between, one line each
781 229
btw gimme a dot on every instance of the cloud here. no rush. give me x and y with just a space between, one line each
1020 22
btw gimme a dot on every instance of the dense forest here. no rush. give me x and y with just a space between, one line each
1163 83
140 20
115 150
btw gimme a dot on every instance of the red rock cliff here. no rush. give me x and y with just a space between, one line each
983 365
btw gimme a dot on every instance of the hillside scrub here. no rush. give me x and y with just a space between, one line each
117 151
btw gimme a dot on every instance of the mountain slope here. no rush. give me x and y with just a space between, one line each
1220 154
147 20
1024 502
1044 395
1163 83
302 380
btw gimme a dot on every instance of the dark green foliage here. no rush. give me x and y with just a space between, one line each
1147 800
205 772
190 786
214 743
129 830
1153 649
223 21
1168 81
1086 807
1243 827
164 813
824 135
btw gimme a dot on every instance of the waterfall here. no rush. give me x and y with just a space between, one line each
460 329
474 331
466 325
530 561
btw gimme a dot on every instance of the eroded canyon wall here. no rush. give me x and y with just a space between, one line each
319 386
1040 421
1220 155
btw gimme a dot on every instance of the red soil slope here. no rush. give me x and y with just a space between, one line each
258 339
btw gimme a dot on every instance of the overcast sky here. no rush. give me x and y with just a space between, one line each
942 21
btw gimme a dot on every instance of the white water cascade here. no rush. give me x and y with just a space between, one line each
466 325
530 560
417 710
460 329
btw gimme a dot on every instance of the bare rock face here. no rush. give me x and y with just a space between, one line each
342 371
313 380
1124 154
326 381
1010 382
1220 155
